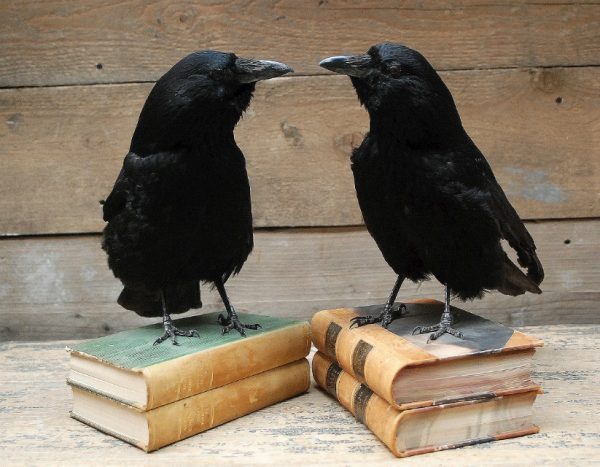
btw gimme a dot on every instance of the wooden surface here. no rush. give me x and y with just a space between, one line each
35 428
61 287
63 42
62 147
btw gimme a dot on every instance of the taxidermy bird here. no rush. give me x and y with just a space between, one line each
427 194
180 213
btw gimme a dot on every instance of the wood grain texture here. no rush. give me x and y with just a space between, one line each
60 287
61 148
63 42
308 430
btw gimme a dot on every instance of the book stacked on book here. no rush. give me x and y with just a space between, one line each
419 397
151 396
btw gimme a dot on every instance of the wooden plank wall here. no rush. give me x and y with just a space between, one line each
73 76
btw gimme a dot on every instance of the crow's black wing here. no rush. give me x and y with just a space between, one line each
509 223
115 201
515 233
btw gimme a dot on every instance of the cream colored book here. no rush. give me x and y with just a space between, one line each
153 429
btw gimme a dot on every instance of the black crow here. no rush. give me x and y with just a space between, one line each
427 194
179 212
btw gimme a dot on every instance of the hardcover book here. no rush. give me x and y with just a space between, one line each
127 368
153 429
462 422
407 371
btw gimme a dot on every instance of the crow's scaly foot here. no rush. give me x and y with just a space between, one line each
437 331
172 332
233 322
389 314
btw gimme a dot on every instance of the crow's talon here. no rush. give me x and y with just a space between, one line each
172 332
164 337
424 329
437 331
192 333
388 315
233 322
359 321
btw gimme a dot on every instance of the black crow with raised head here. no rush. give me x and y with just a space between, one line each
427 194
180 211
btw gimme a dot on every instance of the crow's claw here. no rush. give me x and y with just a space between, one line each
359 321
172 332
233 322
192 333
388 315
437 331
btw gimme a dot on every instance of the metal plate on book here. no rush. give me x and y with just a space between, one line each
480 335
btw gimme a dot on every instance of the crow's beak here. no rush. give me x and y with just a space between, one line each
351 65
250 71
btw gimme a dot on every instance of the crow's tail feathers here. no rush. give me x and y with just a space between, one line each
515 282
179 298
532 263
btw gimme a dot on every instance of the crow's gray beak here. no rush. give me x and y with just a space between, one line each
351 65
250 71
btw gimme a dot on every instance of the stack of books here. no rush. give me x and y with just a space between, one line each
420 397
151 396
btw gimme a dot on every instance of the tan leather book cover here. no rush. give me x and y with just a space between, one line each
377 356
178 420
385 420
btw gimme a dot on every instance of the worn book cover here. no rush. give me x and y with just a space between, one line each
462 422
407 371
167 424
126 366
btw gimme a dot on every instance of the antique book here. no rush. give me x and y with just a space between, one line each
453 424
126 366
153 429
408 372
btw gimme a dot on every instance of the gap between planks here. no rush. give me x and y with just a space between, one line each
61 286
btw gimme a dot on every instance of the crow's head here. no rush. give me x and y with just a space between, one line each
205 92
396 84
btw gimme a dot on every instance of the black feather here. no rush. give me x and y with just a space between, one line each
427 194
180 210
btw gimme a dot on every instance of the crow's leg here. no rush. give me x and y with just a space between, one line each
170 330
445 325
388 314
232 321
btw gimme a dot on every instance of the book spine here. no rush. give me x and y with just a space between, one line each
368 408
187 417
184 377
373 356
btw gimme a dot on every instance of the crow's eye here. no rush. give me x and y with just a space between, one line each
393 69
219 75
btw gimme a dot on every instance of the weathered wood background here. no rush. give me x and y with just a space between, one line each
74 74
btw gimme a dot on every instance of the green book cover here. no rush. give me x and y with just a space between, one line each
134 348
165 372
